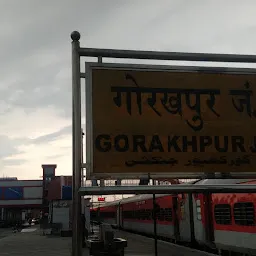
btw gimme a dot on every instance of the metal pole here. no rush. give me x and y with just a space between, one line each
155 224
190 188
82 173
155 231
191 219
76 147
176 56
82 158
95 216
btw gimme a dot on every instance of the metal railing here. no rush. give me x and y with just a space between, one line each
78 52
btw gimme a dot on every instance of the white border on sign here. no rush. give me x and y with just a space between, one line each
144 67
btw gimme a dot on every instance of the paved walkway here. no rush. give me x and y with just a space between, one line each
144 246
33 243
5 232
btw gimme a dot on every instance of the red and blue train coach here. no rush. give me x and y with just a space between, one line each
234 222
222 221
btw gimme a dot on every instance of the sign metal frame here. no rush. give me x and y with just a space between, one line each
181 188
77 53
89 66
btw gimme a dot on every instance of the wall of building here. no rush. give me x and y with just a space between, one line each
55 188
33 192
21 193
21 183
25 197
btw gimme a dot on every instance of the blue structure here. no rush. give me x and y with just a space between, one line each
66 193
12 193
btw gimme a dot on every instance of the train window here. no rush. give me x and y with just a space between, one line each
165 214
126 215
136 215
244 214
144 214
149 214
222 214
198 209
108 214
131 215
93 214
141 214
199 216
160 215
168 214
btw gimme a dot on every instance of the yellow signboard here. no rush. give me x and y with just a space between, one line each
166 121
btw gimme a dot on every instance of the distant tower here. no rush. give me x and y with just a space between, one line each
48 176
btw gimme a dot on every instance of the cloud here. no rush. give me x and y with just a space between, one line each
41 49
35 84
56 157
42 53
13 162
9 147
26 133
53 136
11 153
34 155
18 123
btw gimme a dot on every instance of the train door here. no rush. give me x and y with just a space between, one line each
200 215
176 217
184 225
208 213
203 221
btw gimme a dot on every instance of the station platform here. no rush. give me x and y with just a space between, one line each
33 243
139 245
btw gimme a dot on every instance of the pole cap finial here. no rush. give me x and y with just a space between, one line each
75 36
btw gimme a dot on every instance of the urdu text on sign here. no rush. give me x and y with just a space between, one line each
147 120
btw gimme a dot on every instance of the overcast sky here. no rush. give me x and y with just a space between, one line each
35 60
